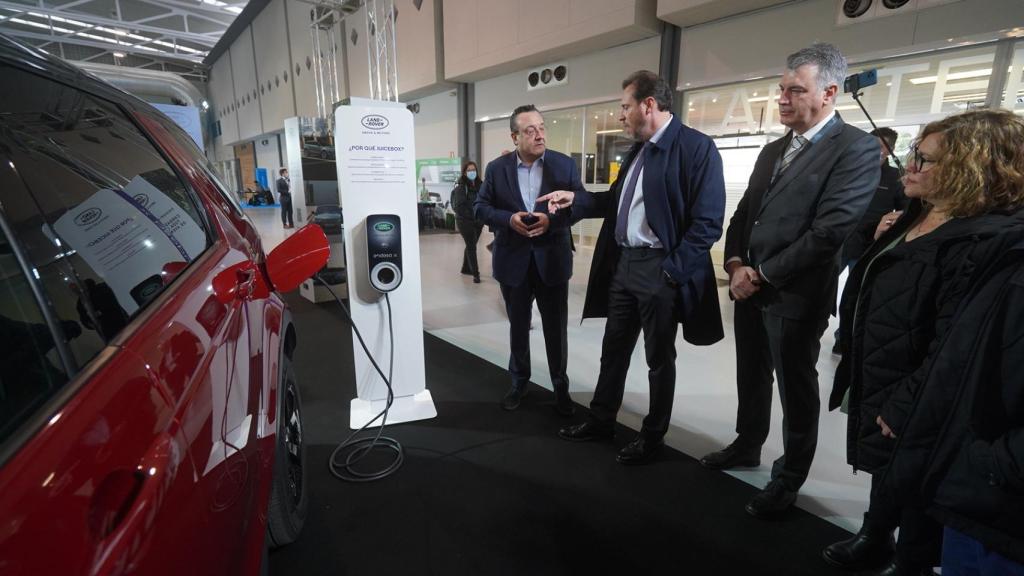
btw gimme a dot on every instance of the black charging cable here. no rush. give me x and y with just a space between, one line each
355 448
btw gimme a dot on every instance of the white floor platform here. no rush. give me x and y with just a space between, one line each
472 317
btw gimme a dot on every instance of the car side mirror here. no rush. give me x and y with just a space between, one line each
297 258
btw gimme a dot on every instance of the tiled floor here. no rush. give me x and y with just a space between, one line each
472 317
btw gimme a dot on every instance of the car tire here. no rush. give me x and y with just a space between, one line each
289 498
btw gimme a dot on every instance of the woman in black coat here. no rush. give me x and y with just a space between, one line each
463 197
901 296
961 448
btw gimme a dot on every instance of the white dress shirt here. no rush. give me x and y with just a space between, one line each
638 232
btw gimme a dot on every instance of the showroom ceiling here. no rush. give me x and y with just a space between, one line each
171 35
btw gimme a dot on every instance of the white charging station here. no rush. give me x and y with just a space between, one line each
376 159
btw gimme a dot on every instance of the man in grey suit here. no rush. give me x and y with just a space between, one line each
805 196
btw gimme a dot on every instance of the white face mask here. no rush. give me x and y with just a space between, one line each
471 175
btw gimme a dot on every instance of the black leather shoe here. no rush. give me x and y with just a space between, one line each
732 456
564 405
514 396
868 548
772 501
586 432
640 450
476 279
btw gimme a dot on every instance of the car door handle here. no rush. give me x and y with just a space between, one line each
124 516
237 282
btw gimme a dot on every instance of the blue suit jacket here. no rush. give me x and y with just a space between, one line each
684 199
499 199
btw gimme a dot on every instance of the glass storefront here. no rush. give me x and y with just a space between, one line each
590 135
743 117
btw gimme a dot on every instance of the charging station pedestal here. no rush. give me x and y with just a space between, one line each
376 178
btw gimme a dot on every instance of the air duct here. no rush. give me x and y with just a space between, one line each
141 82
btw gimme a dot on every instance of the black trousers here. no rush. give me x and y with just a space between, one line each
470 231
553 302
286 210
639 298
766 342
920 542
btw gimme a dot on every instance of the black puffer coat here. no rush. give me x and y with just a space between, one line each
900 305
463 197
962 450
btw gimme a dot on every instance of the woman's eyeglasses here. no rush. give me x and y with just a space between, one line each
917 160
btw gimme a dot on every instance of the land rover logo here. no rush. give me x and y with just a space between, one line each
375 122
383 226
88 217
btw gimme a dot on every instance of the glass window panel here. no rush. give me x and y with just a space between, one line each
103 219
910 91
30 369
1013 94
606 145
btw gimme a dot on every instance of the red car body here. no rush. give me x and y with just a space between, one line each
159 454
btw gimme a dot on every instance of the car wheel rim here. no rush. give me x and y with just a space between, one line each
293 442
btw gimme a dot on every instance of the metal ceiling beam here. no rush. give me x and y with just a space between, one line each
193 58
111 23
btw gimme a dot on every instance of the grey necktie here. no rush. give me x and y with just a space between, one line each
795 145
622 222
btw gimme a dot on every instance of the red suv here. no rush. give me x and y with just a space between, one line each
149 416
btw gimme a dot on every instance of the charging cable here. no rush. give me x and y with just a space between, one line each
355 448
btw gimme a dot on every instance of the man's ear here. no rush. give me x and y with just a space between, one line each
832 93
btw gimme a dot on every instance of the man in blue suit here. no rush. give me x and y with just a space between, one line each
532 255
652 266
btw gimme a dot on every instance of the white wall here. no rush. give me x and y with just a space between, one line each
487 37
270 38
595 77
436 125
222 99
301 48
243 72
418 47
268 157
755 45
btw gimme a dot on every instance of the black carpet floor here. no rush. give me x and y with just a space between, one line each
488 492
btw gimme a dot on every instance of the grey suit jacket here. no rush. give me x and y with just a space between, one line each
792 229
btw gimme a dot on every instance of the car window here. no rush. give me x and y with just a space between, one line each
31 369
104 221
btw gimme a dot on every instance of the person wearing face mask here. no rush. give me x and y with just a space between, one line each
463 198
532 258
782 251
964 184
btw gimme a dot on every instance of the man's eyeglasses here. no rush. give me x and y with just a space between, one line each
532 131
917 160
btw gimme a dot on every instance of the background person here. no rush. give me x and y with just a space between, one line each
888 199
463 198
284 192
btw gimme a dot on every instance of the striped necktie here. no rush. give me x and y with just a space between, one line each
795 145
